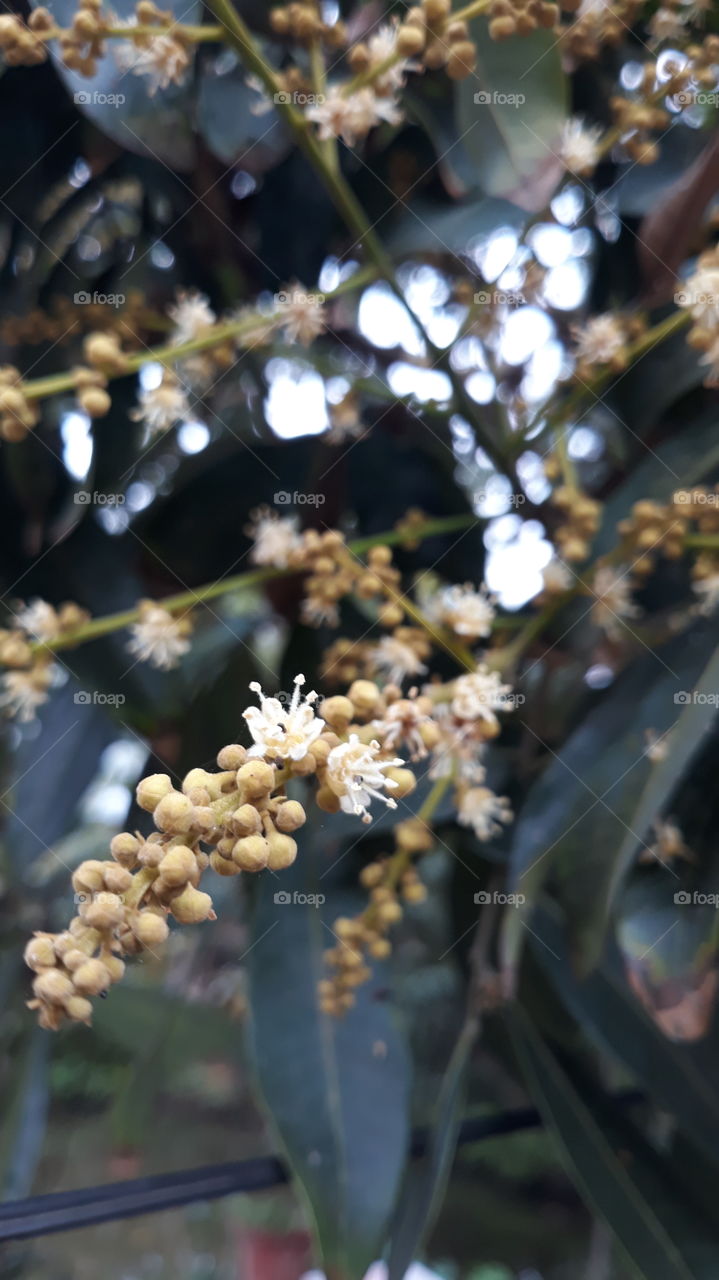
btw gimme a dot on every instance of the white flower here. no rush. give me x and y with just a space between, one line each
612 588
579 147
316 612
356 775
479 694
24 691
394 660
700 295
600 341
39 620
192 317
159 408
281 732
666 24
275 538
460 749
707 589
381 45
481 809
556 577
466 611
163 59
351 118
158 638
402 722
302 317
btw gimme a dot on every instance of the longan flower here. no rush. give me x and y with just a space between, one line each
356 775
164 60
351 118
612 588
158 638
601 340
479 695
161 407
275 537
395 661
303 316
484 811
406 721
280 732
466 611
381 46
191 315
579 148
39 620
24 691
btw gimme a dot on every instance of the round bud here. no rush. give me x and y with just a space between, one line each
150 929
115 967
105 912
91 978
174 813
89 877
53 986
117 879
389 912
380 948
436 10
74 958
338 712
95 401
125 848
192 906
40 952
231 757
223 866
251 853
364 695
283 851
79 1009
178 866
246 821
462 60
413 836
255 779
196 778
327 800
410 41
405 780
151 790
290 816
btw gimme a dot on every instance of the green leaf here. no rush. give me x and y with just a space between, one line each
510 113
338 1090
620 1176
678 1076
426 1182
577 815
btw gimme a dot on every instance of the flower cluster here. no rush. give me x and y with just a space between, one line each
27 682
700 298
580 520
237 819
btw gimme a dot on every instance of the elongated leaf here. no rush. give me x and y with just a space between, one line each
426 1181
577 814
337 1090
680 1077
510 113
620 1176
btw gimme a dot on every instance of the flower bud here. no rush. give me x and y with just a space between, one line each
115 967
125 848
290 816
95 401
40 952
364 695
74 958
231 757
338 712
89 877
405 780
246 821
251 853
327 800
178 866
151 790
105 912
79 1009
192 906
174 813
223 866
255 779
53 986
117 879
283 851
413 836
91 978
150 929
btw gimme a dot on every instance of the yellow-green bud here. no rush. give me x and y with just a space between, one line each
151 790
